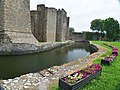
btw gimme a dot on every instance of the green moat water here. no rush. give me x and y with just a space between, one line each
12 66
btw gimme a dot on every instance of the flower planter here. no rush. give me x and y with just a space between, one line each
115 52
108 60
80 83
112 57
103 61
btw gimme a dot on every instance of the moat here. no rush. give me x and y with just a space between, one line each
12 66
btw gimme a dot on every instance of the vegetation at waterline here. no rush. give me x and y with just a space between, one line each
110 76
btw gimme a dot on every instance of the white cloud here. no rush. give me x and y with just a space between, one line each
82 12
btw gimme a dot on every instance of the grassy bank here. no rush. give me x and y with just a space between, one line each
110 76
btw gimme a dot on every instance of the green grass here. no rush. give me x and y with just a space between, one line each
110 76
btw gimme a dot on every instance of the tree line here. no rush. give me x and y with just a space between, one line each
109 28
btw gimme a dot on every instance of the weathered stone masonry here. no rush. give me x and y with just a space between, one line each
44 23
62 30
16 37
15 21
15 27
38 21
50 24
77 36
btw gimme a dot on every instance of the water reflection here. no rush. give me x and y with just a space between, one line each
12 66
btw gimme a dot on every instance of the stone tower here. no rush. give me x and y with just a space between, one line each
44 23
62 30
15 27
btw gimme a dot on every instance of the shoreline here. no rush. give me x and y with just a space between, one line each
25 48
41 80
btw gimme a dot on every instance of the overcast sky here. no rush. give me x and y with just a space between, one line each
82 12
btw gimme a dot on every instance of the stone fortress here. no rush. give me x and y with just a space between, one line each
16 27
50 24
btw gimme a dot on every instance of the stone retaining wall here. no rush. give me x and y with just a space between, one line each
26 48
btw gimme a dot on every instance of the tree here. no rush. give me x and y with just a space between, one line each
97 25
111 26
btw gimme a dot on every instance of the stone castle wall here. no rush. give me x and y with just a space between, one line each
33 23
15 28
62 32
67 29
58 26
15 22
44 23
16 37
75 36
50 24
1 16
41 22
